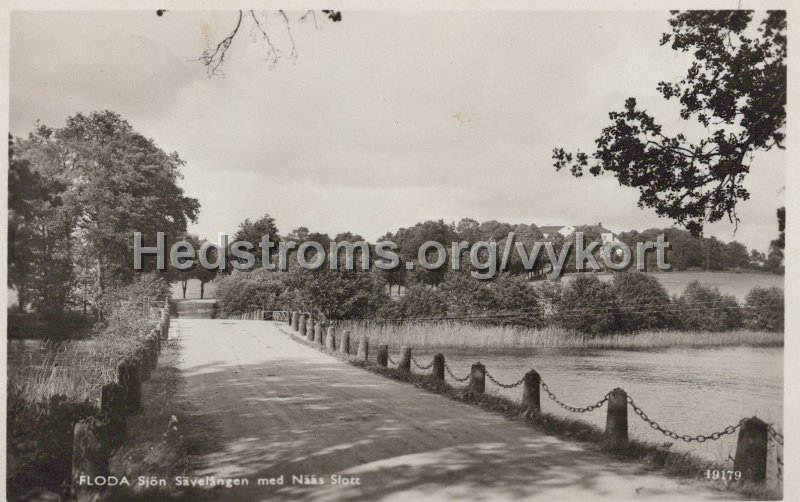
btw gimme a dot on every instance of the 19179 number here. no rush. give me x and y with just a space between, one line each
729 475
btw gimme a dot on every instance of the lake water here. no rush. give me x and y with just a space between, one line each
687 391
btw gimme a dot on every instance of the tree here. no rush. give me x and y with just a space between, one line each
764 309
735 88
254 231
774 261
587 305
643 302
736 256
212 58
117 182
39 237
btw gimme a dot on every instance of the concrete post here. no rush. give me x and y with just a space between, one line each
330 340
295 321
531 401
617 417
318 333
310 329
301 327
344 342
112 407
90 454
477 379
363 348
383 355
128 378
405 358
751 450
438 367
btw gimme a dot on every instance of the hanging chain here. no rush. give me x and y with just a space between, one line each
447 367
391 361
586 409
775 435
505 385
414 360
700 438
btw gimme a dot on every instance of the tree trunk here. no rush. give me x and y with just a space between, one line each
184 284
202 289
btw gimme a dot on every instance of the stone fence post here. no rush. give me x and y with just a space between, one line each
301 327
128 378
405 358
295 321
438 367
363 347
112 407
477 379
310 329
90 454
344 342
751 450
617 417
330 339
383 355
531 401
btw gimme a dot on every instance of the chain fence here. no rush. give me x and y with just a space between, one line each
575 409
775 435
700 438
449 372
504 385
418 365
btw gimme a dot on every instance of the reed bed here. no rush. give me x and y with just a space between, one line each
455 335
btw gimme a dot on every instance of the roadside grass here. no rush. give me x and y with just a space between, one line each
163 437
650 455
455 335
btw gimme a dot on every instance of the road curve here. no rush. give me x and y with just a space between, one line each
282 408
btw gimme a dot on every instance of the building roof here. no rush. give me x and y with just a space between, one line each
599 228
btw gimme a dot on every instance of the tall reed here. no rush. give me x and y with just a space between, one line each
455 335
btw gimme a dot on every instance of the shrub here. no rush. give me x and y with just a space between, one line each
419 301
465 296
764 309
514 293
337 294
702 308
643 302
587 305
242 292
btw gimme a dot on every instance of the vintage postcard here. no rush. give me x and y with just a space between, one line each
399 251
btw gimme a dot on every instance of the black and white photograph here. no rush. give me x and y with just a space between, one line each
395 251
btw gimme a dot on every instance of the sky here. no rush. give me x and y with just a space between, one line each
382 120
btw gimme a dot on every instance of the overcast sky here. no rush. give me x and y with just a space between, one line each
383 120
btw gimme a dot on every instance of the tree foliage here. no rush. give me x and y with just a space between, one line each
110 181
735 89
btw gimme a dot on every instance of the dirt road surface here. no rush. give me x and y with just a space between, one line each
281 408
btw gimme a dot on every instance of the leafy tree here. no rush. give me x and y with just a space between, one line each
336 294
587 305
736 256
774 261
39 237
642 301
764 309
254 231
410 240
116 182
735 88
757 259
702 308
420 301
